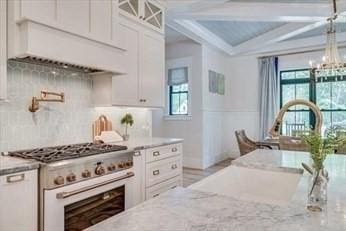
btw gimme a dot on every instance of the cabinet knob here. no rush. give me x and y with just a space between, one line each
137 154
156 153
174 149
156 172
174 166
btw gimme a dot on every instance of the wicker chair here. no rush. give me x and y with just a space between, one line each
245 144
292 144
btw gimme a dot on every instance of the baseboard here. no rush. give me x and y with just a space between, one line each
190 162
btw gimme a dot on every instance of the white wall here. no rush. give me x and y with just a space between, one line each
55 123
189 129
215 147
237 109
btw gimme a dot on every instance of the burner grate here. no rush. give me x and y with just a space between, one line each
64 152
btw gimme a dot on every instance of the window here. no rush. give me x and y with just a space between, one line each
329 93
178 91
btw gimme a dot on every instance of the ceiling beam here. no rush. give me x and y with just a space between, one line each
279 34
311 43
200 34
283 12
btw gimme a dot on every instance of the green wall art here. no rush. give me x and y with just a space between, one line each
216 83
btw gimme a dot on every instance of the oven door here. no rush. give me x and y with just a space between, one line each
87 202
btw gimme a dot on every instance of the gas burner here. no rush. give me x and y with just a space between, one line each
64 152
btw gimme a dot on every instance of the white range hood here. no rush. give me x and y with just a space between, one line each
42 37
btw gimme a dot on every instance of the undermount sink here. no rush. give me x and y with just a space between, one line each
251 185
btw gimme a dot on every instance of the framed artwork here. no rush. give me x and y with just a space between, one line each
216 83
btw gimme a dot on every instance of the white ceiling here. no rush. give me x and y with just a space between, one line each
250 26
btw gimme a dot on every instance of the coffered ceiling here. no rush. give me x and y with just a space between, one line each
255 26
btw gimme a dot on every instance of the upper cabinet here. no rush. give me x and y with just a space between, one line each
86 32
147 12
3 50
143 85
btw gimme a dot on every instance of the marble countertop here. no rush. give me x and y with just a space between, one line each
9 165
192 210
148 142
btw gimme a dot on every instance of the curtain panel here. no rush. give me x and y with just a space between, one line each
269 93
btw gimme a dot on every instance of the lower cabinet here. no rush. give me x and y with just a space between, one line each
156 190
163 169
18 200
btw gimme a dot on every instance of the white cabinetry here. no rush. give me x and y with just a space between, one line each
144 83
3 50
93 19
79 32
18 200
163 169
148 12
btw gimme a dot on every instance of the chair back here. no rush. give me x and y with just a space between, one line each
294 129
292 144
245 144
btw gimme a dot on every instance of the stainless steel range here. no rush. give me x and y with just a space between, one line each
82 184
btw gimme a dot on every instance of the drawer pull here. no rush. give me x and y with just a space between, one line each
137 154
156 172
174 166
15 178
157 153
174 149
156 195
174 187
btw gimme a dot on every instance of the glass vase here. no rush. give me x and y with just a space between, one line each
317 194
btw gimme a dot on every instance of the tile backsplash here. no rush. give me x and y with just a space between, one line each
56 123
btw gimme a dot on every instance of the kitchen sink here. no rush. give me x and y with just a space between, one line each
253 185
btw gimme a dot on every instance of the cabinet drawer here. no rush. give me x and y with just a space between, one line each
160 171
162 152
156 190
18 200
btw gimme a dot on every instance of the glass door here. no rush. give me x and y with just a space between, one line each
90 211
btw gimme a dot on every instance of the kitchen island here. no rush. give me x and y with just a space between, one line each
191 209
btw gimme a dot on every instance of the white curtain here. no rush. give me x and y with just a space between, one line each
269 93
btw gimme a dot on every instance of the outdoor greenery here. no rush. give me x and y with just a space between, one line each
329 94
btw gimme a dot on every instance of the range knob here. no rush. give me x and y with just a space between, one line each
128 163
86 173
59 180
121 165
99 170
111 167
71 177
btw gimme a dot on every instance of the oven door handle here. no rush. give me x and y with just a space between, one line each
63 195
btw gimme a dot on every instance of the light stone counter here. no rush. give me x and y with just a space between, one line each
186 209
148 142
9 165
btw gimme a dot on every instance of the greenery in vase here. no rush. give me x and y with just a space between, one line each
127 120
321 146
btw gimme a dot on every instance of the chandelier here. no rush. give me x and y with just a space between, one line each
331 65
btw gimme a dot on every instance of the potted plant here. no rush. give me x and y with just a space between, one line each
320 148
127 120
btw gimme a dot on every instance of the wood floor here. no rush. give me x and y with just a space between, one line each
191 175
